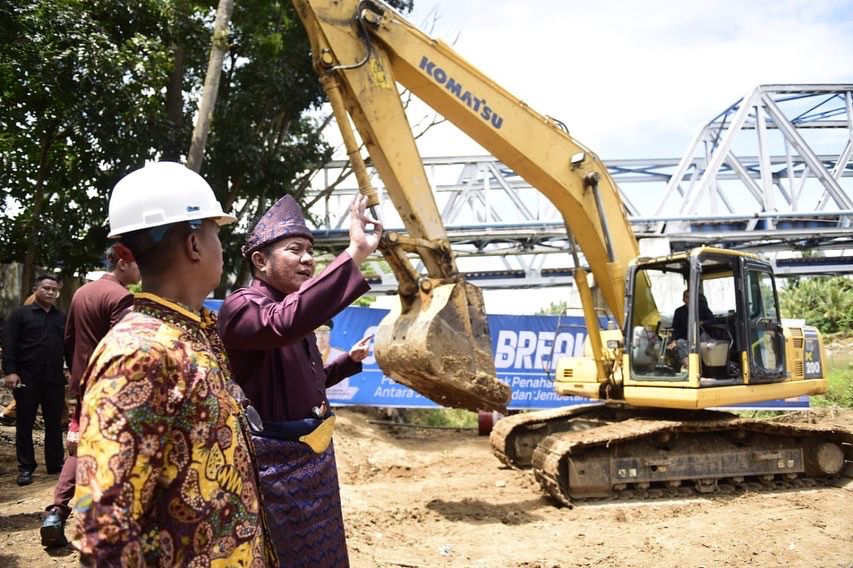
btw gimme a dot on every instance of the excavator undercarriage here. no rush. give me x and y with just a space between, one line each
605 451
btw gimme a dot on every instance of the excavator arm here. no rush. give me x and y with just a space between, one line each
362 50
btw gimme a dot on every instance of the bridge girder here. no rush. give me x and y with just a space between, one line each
771 173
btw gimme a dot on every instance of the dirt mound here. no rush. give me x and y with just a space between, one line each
829 415
839 343
414 497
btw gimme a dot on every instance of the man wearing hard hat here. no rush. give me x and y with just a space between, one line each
165 472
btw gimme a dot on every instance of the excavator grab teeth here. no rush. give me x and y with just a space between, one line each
439 345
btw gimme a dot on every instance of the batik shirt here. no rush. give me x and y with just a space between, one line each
165 473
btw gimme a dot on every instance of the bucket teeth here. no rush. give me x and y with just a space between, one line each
440 347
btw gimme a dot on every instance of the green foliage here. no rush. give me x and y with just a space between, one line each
824 302
555 308
760 414
444 417
839 389
262 141
365 301
369 272
839 392
90 90
78 107
323 260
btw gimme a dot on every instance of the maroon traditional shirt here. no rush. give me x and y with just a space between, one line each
269 337
95 308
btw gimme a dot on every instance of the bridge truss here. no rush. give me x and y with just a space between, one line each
772 173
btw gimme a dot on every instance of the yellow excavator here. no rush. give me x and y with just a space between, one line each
652 377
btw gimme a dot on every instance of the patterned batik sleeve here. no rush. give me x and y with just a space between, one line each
124 426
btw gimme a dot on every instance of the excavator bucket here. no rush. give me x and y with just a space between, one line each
437 342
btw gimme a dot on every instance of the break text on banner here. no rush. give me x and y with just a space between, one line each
523 347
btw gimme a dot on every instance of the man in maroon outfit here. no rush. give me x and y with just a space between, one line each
95 308
267 330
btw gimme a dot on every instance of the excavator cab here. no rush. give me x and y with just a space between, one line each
734 339
722 343
676 322
732 333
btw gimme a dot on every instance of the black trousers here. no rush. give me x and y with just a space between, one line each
50 397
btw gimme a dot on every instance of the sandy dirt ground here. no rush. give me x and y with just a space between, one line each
423 498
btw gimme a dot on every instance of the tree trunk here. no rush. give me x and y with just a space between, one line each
175 104
211 84
243 272
39 197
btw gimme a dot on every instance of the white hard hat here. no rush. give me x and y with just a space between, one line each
162 193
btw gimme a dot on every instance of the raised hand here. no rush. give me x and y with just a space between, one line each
362 243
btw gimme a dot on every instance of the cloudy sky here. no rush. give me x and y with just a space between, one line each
634 79
638 79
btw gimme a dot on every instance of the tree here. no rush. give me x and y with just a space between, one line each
76 109
824 302
218 50
266 140
91 90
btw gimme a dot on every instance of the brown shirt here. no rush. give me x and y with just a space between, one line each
271 346
95 308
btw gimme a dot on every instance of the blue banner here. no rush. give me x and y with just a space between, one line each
523 348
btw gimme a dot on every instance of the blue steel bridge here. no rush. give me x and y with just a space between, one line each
771 174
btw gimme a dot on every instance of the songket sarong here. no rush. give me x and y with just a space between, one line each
302 502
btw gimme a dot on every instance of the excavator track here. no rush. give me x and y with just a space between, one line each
645 457
514 437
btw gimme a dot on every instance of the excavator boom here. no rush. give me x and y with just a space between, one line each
534 146
362 50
